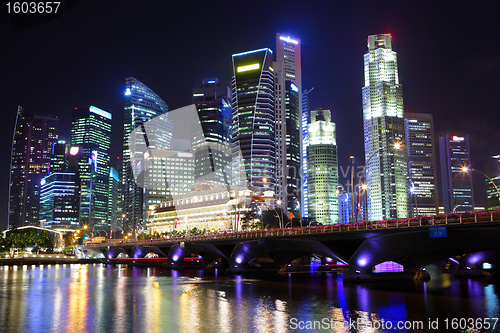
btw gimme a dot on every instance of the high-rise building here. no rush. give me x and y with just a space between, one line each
306 119
421 158
253 125
456 185
91 129
345 208
288 83
60 189
33 139
212 145
167 174
141 105
492 170
322 172
113 186
383 129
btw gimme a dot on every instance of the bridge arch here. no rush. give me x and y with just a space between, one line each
414 249
284 251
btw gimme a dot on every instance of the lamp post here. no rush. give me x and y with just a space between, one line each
396 146
466 169
413 191
261 216
280 218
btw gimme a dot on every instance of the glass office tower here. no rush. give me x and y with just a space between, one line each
421 157
456 185
33 139
60 189
212 145
253 131
288 83
91 129
142 105
383 129
322 172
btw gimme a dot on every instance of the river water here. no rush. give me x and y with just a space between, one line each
100 298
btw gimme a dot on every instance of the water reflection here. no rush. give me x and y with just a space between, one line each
92 298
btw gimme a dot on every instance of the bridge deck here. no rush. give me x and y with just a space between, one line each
450 219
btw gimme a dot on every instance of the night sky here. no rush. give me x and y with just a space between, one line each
448 60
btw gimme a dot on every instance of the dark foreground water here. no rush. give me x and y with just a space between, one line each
98 298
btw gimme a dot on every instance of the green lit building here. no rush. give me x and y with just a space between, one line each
322 171
91 129
384 129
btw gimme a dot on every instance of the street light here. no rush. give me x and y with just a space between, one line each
281 219
466 169
413 191
396 146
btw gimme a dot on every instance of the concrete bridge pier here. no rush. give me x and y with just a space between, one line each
479 264
185 255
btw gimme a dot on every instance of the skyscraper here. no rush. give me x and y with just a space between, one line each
91 129
383 129
60 189
253 131
212 146
288 83
492 170
306 119
33 139
113 186
322 172
421 158
141 105
456 185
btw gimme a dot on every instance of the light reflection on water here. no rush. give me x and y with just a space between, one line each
98 298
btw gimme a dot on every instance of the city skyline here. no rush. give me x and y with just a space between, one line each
472 105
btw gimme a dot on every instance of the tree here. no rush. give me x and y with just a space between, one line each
251 220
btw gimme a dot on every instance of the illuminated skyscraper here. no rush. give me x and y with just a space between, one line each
113 186
212 146
322 172
421 157
141 105
456 185
253 131
306 119
384 127
60 190
288 83
91 129
33 139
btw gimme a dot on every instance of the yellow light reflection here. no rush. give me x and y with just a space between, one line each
77 316
189 309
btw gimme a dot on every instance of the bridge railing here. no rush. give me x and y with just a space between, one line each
423 221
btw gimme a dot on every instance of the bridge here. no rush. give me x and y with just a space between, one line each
406 245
